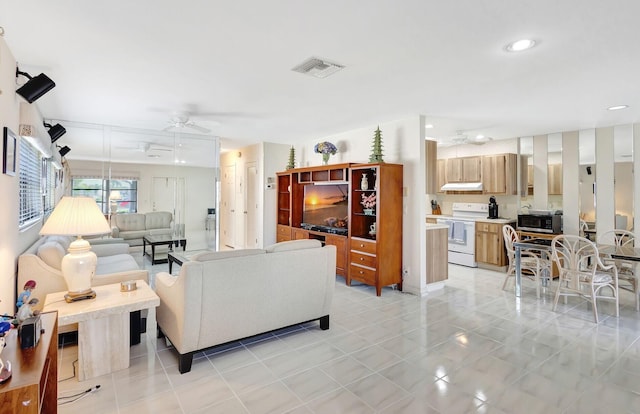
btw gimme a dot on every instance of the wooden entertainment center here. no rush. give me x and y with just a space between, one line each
368 243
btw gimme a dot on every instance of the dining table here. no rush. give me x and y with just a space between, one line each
544 246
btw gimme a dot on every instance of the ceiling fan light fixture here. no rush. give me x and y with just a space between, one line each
520 45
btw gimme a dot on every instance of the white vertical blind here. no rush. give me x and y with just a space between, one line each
30 185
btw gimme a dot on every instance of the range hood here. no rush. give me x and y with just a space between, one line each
462 187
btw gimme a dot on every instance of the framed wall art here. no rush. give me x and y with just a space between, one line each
9 153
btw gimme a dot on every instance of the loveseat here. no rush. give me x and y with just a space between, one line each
219 297
42 262
132 227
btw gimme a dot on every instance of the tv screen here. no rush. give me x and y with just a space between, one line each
326 205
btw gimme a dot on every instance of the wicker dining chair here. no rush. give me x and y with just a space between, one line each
627 273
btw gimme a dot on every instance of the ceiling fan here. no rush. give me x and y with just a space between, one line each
148 147
180 120
461 138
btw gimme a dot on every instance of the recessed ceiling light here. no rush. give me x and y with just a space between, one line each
480 136
428 126
617 107
520 45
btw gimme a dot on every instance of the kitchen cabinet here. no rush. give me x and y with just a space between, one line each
441 174
499 174
437 252
464 170
490 247
554 179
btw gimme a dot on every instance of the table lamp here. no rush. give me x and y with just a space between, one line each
114 197
77 216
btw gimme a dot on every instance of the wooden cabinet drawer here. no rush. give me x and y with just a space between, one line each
362 274
362 259
363 246
284 231
488 227
282 238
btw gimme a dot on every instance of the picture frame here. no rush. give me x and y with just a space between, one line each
9 152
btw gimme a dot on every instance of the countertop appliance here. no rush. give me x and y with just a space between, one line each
541 221
493 208
462 232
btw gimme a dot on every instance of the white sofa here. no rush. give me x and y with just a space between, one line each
132 227
220 297
42 262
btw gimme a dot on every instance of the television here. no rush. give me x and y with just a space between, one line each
326 208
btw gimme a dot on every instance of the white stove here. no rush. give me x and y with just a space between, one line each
462 232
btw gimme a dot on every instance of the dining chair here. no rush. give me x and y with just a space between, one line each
582 273
627 274
532 266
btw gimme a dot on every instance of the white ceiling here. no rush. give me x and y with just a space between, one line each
132 64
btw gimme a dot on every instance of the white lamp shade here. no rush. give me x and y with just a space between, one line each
76 216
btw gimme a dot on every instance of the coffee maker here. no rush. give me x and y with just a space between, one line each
493 208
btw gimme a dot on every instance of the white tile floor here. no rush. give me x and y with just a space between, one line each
469 347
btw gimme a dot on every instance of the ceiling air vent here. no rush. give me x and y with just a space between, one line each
319 68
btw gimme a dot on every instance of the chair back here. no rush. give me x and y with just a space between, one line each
574 255
618 238
510 236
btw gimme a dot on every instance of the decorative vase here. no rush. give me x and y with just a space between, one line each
325 158
364 183
368 211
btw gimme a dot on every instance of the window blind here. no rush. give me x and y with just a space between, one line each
30 196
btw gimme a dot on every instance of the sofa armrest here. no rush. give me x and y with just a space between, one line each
48 279
110 249
179 312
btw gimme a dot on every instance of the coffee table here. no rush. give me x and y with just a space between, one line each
160 240
103 325
179 258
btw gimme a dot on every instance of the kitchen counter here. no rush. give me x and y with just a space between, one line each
433 226
501 220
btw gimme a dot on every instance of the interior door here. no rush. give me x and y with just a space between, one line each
168 194
227 205
251 209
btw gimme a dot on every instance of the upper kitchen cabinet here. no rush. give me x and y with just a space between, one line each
441 174
499 174
554 179
464 170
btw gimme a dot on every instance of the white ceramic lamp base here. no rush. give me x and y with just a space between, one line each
78 268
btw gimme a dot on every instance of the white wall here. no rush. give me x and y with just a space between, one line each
9 248
402 144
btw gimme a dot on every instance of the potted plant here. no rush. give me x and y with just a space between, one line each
369 203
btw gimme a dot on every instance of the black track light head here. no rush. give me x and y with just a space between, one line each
35 86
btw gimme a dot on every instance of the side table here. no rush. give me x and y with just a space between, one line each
103 325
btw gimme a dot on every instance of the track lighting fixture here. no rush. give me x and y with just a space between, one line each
55 131
35 86
64 151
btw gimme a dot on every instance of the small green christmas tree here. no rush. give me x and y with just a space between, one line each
292 158
376 150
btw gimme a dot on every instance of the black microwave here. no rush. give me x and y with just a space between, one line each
540 223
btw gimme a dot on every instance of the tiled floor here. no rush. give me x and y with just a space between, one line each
469 347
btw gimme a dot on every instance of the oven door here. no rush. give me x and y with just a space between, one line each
461 235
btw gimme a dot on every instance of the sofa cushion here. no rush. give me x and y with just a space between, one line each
158 220
129 221
294 245
64 241
116 263
51 253
225 254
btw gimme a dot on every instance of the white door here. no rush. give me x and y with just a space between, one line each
227 205
240 210
168 194
251 207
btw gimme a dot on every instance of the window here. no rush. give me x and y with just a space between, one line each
112 196
30 192
48 186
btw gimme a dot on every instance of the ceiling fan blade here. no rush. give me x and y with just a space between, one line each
198 128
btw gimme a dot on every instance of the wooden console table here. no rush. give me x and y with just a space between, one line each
33 387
